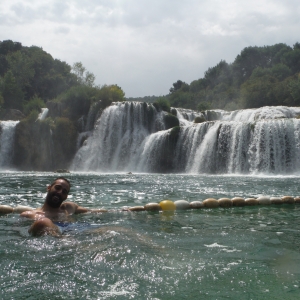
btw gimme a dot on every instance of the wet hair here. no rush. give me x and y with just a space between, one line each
62 178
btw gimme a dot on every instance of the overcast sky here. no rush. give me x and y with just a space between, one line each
145 46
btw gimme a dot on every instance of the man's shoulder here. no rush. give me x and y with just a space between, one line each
73 208
68 205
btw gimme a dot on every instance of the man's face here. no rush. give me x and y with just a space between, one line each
57 193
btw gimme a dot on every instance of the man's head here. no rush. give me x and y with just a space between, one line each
57 192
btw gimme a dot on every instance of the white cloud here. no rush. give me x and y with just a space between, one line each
144 46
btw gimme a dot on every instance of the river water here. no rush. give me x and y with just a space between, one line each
223 253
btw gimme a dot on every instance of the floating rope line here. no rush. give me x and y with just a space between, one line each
168 205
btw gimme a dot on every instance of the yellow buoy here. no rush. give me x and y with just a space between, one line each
167 205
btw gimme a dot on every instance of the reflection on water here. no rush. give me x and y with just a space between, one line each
241 252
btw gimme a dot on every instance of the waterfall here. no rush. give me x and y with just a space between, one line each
43 114
6 142
118 135
254 114
186 116
266 146
132 136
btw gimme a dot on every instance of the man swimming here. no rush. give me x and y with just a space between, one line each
53 210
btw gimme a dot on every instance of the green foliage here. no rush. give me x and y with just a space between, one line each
26 72
163 104
179 85
280 71
259 92
21 67
230 106
171 121
84 77
174 133
218 74
183 99
11 92
32 116
173 111
9 46
34 104
111 93
258 76
294 90
51 76
199 119
76 101
148 99
1 101
3 65
199 85
202 106
64 137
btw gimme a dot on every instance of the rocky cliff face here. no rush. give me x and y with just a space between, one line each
42 146
11 114
33 146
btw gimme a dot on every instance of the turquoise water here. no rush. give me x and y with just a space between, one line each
230 253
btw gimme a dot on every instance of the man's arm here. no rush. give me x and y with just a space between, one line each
73 208
33 214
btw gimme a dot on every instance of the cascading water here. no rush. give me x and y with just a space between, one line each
117 138
271 146
43 114
186 116
132 137
6 143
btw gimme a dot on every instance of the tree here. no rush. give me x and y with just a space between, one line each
21 67
259 92
163 104
11 92
177 86
9 46
202 106
294 89
198 85
35 103
84 77
3 65
221 73
116 93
